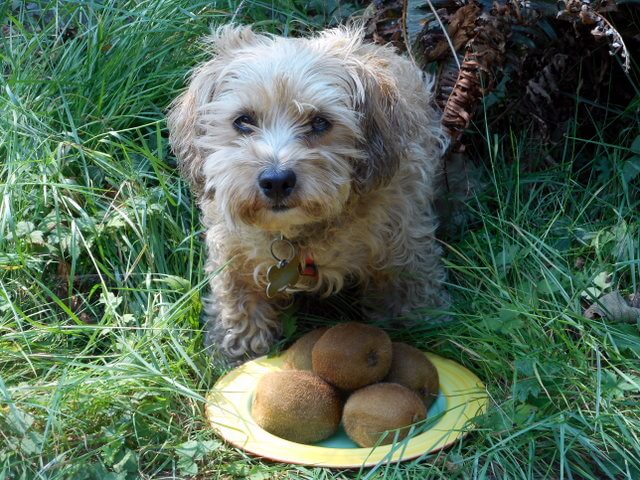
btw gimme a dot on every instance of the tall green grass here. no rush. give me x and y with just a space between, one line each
102 369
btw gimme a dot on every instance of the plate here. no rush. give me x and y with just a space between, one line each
462 396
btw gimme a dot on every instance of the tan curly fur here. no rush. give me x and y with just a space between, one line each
362 202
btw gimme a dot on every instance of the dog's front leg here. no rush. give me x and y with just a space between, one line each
239 320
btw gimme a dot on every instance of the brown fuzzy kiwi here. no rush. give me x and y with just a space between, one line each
412 369
352 355
372 410
296 405
298 355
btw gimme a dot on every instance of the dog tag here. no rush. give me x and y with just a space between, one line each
280 276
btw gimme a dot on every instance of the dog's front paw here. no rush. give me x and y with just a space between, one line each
237 334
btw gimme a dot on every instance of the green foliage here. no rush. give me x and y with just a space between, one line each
102 368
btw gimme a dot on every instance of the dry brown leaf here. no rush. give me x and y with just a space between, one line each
614 307
462 24
634 301
385 23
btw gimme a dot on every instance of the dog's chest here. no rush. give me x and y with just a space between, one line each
362 245
319 267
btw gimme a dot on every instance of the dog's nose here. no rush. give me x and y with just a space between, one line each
277 184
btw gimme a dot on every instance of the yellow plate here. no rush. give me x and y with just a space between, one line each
462 397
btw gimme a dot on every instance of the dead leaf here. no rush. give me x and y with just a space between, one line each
384 23
634 301
613 306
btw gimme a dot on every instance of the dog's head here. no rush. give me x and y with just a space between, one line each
282 132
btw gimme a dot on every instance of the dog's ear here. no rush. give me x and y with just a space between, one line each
182 118
376 98
379 126
181 121
375 78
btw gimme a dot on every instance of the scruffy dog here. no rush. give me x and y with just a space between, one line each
314 162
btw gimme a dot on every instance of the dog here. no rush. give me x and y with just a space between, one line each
315 164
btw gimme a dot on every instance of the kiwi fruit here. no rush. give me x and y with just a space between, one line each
352 355
298 355
296 405
379 408
412 369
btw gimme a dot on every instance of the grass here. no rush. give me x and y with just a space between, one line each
102 369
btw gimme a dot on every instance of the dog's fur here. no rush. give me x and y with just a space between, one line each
362 204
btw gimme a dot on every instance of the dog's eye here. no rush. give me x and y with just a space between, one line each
320 125
244 123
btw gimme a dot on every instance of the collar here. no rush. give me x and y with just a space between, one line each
309 267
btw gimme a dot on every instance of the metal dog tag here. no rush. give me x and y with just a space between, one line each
281 276
285 273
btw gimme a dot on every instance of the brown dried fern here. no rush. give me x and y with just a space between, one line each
485 53
464 97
